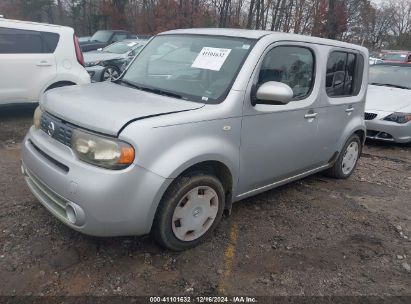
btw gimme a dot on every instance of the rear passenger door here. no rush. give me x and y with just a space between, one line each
341 103
279 141
27 64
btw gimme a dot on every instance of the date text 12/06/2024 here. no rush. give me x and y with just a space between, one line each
203 299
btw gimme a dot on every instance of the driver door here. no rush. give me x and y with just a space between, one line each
279 141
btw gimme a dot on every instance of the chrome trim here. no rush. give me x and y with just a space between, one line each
376 137
285 180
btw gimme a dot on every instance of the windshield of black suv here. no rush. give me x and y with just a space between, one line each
101 36
193 67
391 76
120 47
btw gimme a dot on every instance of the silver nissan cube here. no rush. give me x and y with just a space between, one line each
201 118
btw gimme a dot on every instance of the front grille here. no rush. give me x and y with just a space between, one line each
57 129
369 116
49 158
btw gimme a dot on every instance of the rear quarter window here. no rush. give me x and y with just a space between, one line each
15 41
344 74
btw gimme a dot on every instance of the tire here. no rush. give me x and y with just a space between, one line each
110 73
181 223
344 166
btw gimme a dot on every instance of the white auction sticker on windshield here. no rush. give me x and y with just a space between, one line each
211 58
132 44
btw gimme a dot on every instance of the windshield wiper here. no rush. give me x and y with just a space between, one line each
151 90
128 83
390 85
161 92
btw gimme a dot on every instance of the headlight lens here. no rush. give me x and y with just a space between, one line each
398 117
37 117
89 64
102 151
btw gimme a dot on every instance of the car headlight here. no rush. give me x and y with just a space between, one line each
398 117
93 63
102 151
37 117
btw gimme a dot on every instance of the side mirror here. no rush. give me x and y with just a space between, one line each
273 93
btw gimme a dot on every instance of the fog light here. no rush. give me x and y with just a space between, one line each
71 214
75 214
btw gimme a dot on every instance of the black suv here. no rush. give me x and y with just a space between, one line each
101 39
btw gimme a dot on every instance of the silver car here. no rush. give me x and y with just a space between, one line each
388 106
107 64
222 115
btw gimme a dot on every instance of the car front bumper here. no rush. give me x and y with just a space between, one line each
381 129
89 199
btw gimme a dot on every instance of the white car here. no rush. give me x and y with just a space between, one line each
388 106
373 60
36 57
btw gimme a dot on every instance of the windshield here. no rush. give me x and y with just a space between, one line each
120 47
101 36
194 67
395 76
394 56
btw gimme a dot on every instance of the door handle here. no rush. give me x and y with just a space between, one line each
44 63
310 115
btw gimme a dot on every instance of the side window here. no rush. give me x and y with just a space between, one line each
51 40
291 65
14 41
341 74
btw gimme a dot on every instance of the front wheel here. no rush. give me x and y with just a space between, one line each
189 211
347 160
110 73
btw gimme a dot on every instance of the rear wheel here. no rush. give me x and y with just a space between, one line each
347 160
189 211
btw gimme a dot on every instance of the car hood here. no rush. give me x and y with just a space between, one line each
106 107
387 99
101 56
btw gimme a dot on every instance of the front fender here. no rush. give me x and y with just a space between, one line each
170 150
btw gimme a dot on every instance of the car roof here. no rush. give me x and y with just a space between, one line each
114 31
399 64
27 25
258 34
398 52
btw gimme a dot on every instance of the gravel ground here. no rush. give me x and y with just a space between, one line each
317 236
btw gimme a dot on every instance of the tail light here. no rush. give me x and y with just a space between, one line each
79 53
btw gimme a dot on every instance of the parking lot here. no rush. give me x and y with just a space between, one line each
317 236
